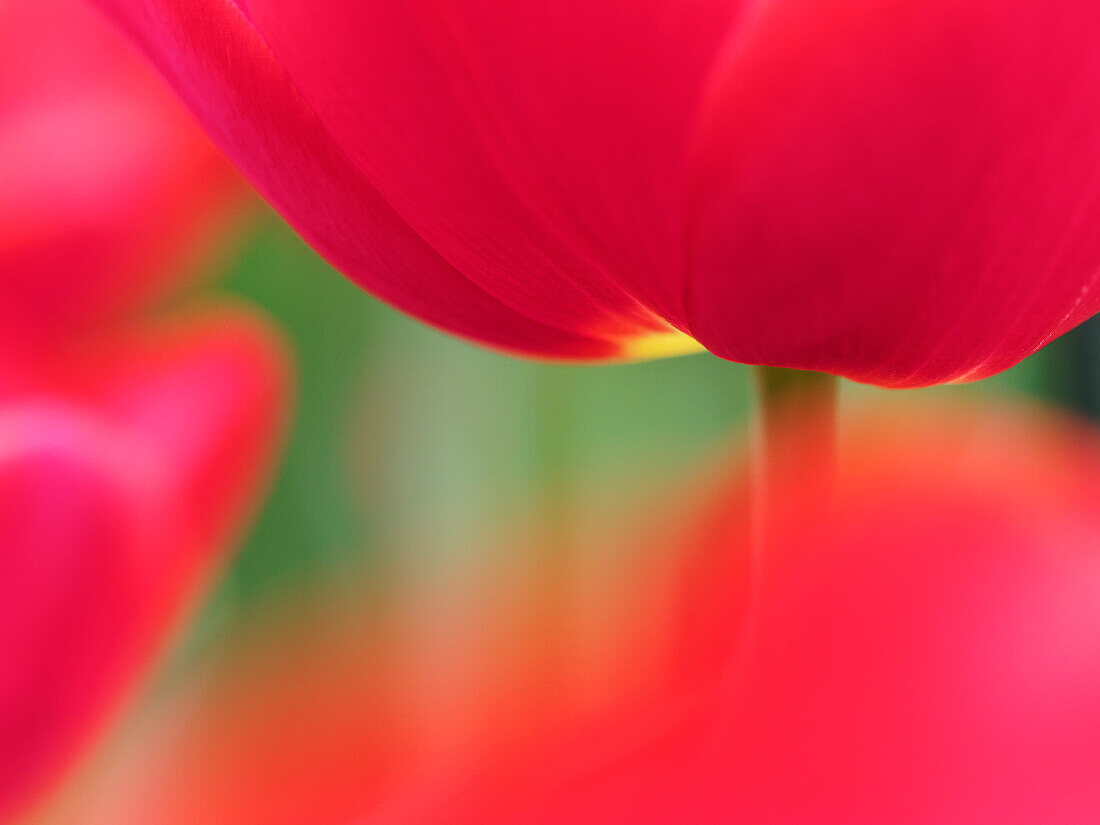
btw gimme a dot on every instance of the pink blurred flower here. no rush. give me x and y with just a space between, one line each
125 474
902 193
128 458
107 189
923 650
324 709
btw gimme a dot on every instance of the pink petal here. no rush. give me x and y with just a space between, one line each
120 487
106 187
254 110
904 193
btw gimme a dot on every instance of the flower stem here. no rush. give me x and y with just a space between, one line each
793 463
794 447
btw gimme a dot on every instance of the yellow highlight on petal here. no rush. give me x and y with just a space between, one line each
659 345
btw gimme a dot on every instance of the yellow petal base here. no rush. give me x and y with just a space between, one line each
659 345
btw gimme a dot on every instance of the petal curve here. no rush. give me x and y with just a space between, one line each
539 146
902 193
226 73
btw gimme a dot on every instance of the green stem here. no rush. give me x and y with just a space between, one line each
793 460
795 444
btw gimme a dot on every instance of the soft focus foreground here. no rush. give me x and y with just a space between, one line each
131 453
122 479
901 193
108 191
920 647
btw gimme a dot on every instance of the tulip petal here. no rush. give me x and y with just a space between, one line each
225 71
119 488
903 193
539 145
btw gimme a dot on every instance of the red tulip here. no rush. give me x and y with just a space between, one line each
124 476
902 193
106 187
927 650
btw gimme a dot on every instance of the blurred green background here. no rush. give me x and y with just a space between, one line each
408 441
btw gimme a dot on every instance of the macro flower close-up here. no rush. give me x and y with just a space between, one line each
468 412
901 193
